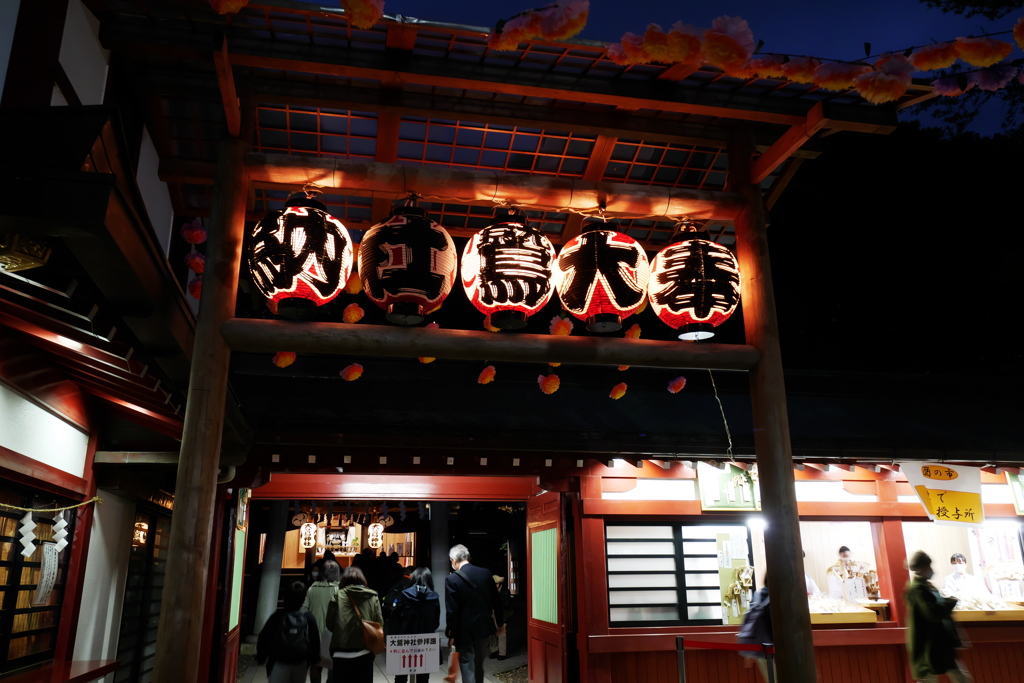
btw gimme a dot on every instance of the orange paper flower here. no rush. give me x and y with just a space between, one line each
766 67
488 326
684 46
486 375
656 43
564 19
549 383
195 287
938 56
676 385
283 359
193 232
801 69
363 13
272 307
623 368
354 284
618 391
353 313
555 365
228 6
1018 33
633 332
352 372
729 44
982 51
631 51
426 359
888 82
838 76
560 326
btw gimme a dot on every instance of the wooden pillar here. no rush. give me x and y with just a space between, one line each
891 558
790 614
180 641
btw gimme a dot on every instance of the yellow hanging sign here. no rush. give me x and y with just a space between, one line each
951 494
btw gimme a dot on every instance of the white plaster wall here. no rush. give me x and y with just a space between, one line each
83 58
38 434
154 192
8 20
106 569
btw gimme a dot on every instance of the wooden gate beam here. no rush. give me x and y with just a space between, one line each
483 188
790 613
270 336
180 644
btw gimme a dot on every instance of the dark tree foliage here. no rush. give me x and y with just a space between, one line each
990 10
902 253
961 112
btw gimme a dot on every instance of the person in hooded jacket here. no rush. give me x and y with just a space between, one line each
318 597
417 609
353 663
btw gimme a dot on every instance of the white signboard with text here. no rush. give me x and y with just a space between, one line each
418 653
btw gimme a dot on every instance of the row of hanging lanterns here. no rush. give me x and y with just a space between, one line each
300 257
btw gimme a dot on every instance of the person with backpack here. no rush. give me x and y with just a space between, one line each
351 605
290 640
757 628
318 598
417 609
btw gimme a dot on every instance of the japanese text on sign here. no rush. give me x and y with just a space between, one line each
418 653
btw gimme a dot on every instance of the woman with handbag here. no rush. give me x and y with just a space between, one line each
318 598
357 628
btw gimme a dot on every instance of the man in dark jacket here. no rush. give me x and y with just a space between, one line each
931 636
473 611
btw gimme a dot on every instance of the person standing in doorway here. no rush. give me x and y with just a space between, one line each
474 613
417 609
932 639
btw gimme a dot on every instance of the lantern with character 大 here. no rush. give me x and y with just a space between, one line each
602 277
694 285
407 265
507 269
300 257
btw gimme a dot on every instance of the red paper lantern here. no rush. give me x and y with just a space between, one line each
407 265
694 285
602 277
507 269
300 257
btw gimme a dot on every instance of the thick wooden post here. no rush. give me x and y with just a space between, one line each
790 616
180 636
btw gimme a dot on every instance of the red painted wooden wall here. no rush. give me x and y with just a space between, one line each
996 662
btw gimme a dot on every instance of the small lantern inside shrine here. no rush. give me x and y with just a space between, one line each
507 269
375 535
694 285
140 534
602 277
407 265
307 535
300 256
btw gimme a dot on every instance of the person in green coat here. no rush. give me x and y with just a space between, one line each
318 598
353 663
932 638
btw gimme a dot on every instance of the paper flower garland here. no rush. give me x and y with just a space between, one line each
352 372
994 78
558 21
486 375
838 76
889 80
1018 33
549 384
195 287
982 51
618 391
676 385
363 13
194 232
938 56
353 313
283 359
196 262
729 44
801 69
354 284
560 326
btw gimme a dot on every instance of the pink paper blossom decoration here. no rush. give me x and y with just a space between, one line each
950 87
801 69
196 262
994 78
676 385
194 232
938 56
982 52
729 44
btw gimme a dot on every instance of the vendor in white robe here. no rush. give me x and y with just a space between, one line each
961 583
